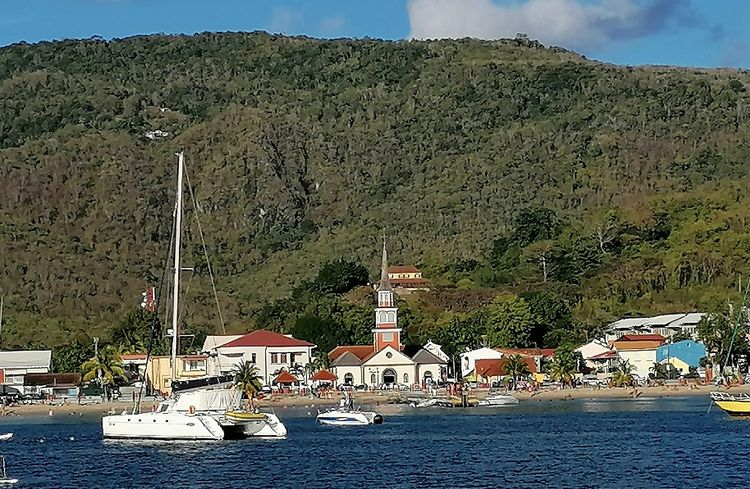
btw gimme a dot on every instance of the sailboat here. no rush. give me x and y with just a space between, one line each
198 409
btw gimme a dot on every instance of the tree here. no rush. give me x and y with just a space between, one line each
545 254
553 321
564 364
339 276
106 367
516 368
623 374
534 224
70 356
134 331
509 322
247 380
723 340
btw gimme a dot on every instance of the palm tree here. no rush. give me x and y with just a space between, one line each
246 379
516 368
560 372
105 366
623 374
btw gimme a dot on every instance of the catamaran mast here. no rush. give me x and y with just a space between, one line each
176 285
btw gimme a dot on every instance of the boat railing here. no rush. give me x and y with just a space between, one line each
727 396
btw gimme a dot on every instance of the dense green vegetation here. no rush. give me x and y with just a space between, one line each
542 193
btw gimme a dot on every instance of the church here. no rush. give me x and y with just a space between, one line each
386 362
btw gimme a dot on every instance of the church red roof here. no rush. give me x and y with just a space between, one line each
359 351
262 337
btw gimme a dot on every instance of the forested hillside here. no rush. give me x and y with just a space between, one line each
586 190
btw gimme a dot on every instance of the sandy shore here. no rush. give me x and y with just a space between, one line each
383 398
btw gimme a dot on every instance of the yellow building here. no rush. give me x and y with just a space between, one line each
159 370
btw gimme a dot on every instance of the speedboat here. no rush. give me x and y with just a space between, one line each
346 415
6 436
733 404
498 400
339 417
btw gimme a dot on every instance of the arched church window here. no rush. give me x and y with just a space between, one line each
406 378
391 317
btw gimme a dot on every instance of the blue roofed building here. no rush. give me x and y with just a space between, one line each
682 355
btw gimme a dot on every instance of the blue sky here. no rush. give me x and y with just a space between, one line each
705 33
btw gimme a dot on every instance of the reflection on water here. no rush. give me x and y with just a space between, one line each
604 443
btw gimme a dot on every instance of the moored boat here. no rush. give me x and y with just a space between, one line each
733 404
207 408
346 415
498 400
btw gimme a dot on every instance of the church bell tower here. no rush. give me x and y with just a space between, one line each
386 332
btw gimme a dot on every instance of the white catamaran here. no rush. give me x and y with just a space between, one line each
199 409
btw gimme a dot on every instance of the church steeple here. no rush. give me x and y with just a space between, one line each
386 332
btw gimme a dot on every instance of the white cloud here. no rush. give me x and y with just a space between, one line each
332 25
283 20
576 24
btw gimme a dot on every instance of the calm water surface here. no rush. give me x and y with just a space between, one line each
614 443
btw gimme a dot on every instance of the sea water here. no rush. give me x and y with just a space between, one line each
649 443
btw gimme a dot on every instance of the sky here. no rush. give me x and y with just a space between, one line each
701 33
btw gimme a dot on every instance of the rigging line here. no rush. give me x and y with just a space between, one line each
155 316
205 251
736 325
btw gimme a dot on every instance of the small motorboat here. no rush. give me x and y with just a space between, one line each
346 415
4 479
338 417
498 400
6 436
732 404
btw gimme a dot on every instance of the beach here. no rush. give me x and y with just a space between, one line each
387 397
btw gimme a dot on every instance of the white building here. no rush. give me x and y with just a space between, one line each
14 365
639 351
469 359
665 325
270 352
386 362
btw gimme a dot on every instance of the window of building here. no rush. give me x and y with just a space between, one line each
253 358
291 358
274 358
391 317
406 378
383 317
349 379
373 379
282 357
387 337
195 365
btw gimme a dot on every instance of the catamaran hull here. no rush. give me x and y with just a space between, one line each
162 426
271 427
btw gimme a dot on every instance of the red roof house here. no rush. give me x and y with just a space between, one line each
262 337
